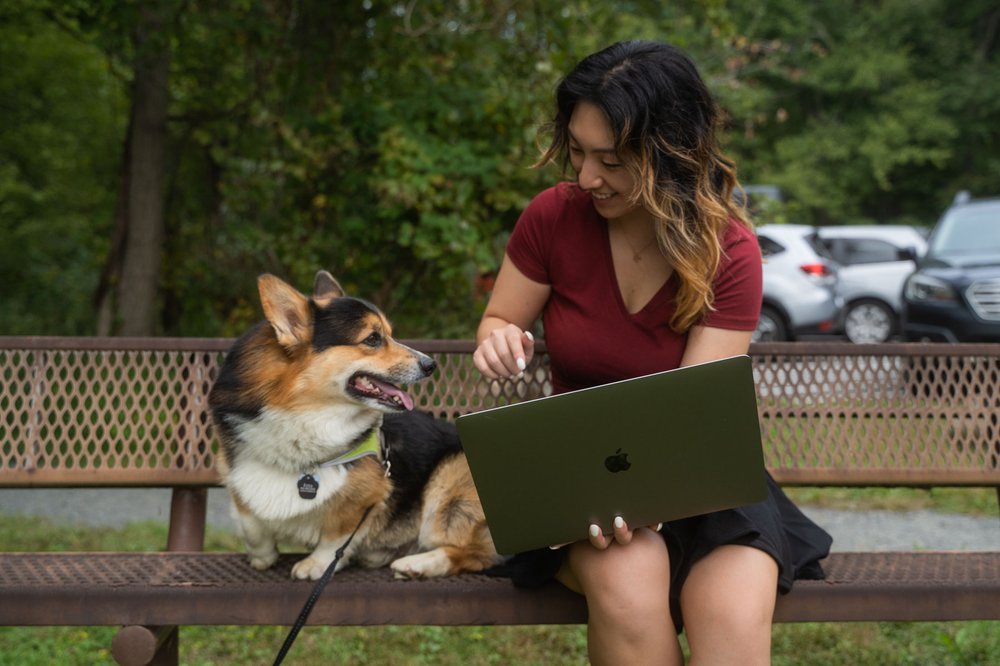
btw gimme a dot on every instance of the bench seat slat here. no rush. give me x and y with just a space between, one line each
221 589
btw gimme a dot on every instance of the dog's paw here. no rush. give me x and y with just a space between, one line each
309 569
422 565
262 562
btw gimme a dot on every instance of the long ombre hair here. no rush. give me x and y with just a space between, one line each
664 121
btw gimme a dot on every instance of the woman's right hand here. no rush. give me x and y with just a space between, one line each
504 352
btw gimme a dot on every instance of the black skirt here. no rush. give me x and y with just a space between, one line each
775 526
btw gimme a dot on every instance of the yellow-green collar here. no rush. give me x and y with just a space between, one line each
371 446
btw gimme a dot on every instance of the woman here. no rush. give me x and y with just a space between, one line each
644 264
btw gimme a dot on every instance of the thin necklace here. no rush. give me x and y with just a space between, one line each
637 253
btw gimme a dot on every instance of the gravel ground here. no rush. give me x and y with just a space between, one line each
851 530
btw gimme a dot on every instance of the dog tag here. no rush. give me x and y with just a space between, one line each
308 485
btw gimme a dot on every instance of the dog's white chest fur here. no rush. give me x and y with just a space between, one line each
274 495
278 447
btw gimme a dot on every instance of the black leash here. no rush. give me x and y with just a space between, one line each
317 590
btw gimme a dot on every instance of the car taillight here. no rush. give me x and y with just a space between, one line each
816 270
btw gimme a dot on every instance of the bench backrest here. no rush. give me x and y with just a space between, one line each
134 412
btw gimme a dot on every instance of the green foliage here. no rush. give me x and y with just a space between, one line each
391 143
857 110
62 114
402 194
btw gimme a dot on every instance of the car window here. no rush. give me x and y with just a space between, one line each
850 251
969 231
769 247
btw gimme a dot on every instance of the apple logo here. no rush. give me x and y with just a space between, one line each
617 462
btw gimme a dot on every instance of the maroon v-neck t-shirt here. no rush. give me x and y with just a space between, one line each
560 240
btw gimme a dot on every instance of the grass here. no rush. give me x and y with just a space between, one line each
969 501
881 644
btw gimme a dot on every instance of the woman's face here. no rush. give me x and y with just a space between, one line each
599 171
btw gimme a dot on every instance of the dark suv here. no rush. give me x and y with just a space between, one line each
954 295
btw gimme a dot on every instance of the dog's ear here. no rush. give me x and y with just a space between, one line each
325 289
286 310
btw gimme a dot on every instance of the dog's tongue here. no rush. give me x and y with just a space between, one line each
391 390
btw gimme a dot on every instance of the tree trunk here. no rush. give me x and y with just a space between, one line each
137 293
111 273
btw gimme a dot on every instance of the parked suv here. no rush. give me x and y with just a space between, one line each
800 281
954 295
875 261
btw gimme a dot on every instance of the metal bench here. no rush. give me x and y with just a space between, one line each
120 412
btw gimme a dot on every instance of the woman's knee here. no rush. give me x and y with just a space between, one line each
728 601
621 576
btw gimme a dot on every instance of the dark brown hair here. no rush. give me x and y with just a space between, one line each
664 121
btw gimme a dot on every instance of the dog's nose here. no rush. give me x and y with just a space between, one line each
428 365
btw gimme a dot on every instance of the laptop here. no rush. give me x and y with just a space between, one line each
650 449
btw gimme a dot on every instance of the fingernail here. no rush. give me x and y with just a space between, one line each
530 336
521 365
619 523
595 531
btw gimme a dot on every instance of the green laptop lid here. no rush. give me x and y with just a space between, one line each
655 448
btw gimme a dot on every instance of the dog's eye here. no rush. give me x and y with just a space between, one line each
373 340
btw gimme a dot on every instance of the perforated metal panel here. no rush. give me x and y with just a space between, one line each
457 387
119 411
908 414
69 414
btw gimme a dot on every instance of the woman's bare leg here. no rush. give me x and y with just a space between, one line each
728 606
627 590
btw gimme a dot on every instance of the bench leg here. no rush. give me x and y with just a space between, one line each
145 646
187 519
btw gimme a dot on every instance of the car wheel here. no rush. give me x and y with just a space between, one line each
770 327
869 322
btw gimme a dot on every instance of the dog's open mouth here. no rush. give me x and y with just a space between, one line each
393 397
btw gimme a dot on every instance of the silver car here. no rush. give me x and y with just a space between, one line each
875 261
800 284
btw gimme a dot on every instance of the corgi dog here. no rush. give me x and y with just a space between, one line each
314 430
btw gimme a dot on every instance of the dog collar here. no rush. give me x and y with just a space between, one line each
373 445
